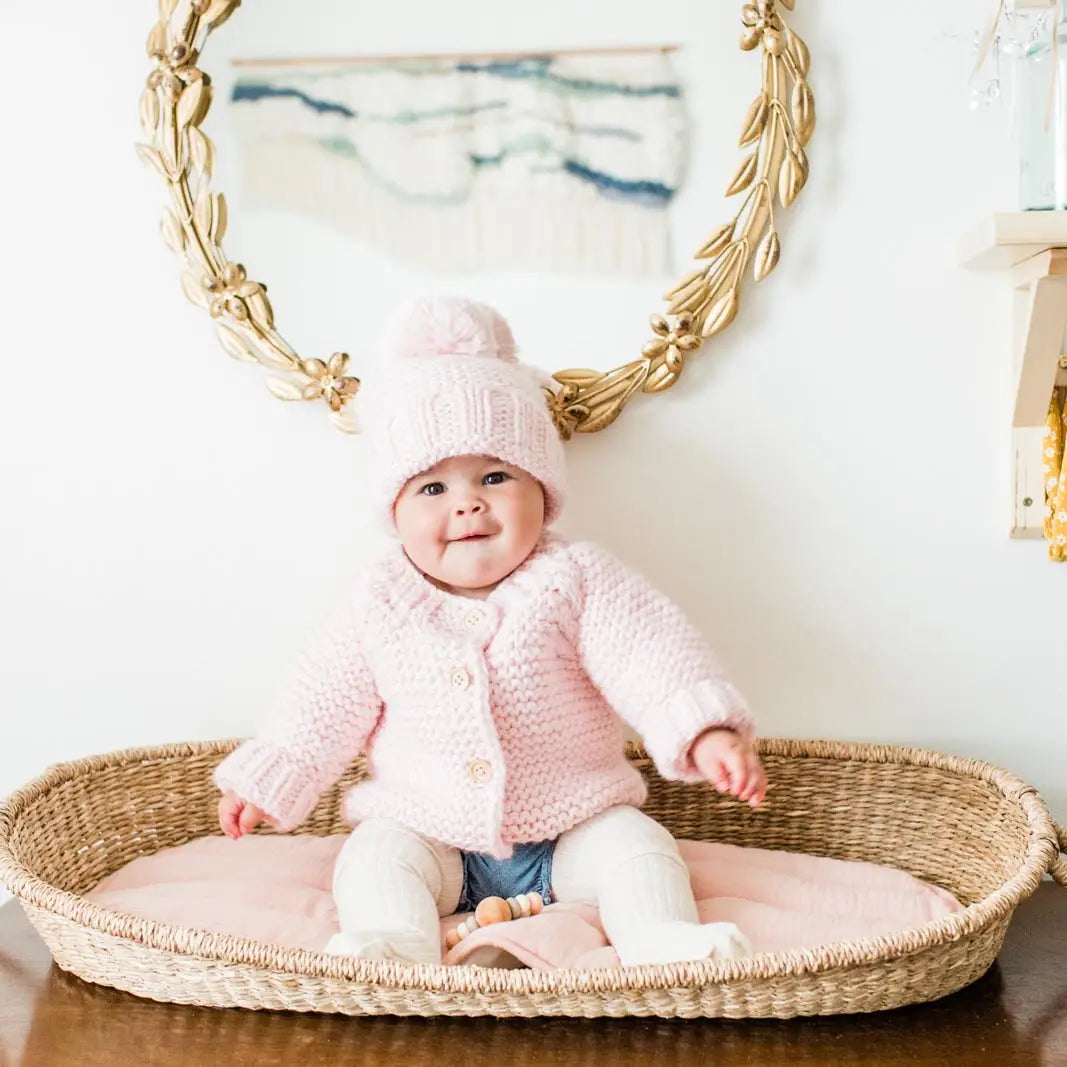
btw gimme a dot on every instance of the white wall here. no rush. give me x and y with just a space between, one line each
825 491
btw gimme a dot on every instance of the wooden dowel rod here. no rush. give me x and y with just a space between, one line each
309 61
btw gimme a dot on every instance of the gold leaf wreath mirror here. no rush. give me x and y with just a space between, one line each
774 132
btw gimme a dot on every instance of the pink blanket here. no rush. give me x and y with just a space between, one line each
276 889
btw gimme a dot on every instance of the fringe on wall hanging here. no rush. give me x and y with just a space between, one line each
560 162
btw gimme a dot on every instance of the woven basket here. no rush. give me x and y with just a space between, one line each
967 826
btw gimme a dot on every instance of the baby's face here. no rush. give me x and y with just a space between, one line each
463 495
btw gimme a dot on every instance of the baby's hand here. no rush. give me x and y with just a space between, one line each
237 817
731 764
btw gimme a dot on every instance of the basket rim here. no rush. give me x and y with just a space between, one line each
1042 855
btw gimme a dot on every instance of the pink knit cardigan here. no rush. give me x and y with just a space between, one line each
489 722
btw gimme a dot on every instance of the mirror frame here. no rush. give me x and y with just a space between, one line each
777 126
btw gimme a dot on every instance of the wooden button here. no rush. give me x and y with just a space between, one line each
460 677
480 770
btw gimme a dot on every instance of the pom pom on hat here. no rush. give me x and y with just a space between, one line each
447 326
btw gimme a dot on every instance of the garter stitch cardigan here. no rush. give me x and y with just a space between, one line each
489 722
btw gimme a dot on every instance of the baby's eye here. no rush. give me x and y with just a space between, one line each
432 485
502 475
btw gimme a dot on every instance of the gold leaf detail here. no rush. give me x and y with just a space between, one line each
194 290
202 211
580 377
193 104
172 153
742 178
789 179
173 234
721 314
285 390
149 112
271 357
688 298
218 217
661 378
599 417
799 51
219 12
234 344
716 242
147 154
345 419
699 310
766 256
752 127
201 151
621 387
685 283
802 106
156 44
166 9
260 310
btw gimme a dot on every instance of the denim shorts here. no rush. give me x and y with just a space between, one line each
528 870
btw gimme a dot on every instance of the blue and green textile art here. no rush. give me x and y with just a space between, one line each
548 162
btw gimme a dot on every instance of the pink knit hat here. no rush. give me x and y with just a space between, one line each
448 383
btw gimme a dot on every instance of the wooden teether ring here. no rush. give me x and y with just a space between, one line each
495 910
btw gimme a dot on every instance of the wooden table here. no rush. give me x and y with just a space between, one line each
1016 1014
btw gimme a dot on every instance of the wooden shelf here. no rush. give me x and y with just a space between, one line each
1031 246
1010 237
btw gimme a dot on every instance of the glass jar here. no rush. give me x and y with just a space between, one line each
1043 150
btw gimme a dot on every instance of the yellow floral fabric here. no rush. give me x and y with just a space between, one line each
1056 477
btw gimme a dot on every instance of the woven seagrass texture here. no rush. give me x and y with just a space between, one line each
976 830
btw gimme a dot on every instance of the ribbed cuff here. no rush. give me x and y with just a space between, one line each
707 705
265 776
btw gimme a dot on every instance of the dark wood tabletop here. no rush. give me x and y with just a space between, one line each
1016 1014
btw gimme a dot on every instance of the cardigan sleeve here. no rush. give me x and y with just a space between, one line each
323 713
651 663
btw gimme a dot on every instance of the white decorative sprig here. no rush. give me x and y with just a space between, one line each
1011 33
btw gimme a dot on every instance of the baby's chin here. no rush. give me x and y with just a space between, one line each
468 567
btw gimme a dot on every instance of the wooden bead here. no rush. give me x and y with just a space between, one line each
537 904
492 910
452 938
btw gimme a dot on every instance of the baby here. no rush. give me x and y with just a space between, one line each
483 664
